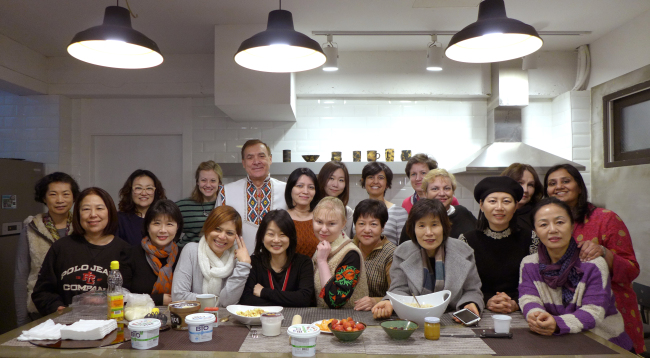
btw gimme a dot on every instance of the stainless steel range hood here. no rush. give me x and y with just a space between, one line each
504 128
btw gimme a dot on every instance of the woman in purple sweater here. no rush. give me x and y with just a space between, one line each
560 294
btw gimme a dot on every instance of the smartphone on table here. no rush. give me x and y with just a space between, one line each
467 317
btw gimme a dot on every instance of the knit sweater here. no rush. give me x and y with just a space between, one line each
593 307
378 265
73 266
299 289
307 240
606 228
188 278
34 242
397 216
194 215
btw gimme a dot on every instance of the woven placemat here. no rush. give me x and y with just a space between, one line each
313 314
518 320
527 343
325 343
224 339
378 342
367 318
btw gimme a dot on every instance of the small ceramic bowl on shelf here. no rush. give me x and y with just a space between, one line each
311 157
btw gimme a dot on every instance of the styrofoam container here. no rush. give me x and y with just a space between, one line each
439 300
501 323
200 326
144 333
303 339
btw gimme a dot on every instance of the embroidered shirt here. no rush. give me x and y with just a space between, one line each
258 200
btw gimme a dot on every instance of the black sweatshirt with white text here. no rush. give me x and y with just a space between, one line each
73 266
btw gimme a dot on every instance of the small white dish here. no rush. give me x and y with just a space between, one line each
233 309
321 331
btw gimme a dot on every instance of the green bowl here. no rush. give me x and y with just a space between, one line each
310 158
397 328
347 336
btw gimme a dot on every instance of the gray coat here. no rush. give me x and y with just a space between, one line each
188 278
461 277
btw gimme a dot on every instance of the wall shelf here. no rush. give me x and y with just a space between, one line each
282 169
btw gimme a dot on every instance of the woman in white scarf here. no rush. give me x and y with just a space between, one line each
215 264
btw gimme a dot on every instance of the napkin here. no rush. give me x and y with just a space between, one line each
88 330
46 330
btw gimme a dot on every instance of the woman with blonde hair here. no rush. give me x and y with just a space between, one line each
218 264
208 193
441 185
339 272
334 180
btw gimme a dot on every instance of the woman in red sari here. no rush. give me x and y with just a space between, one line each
600 232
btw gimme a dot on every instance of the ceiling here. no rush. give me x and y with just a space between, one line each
187 26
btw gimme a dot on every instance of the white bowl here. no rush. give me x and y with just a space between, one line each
439 300
250 320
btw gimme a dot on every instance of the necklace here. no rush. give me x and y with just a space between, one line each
497 235
204 213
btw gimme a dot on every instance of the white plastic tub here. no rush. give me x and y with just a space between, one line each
144 333
200 327
303 339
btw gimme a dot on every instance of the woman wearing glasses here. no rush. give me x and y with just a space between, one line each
141 190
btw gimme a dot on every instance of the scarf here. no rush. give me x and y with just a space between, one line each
563 273
49 224
258 200
213 268
451 210
165 274
434 279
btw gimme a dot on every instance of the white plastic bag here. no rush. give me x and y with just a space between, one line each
136 305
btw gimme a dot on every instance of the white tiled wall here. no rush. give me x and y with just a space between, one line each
448 130
30 128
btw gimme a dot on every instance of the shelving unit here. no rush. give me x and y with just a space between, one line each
277 169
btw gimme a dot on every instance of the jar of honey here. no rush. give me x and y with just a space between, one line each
432 328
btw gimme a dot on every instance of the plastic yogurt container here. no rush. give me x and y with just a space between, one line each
144 333
200 326
303 339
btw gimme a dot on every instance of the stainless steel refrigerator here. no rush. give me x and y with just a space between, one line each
17 179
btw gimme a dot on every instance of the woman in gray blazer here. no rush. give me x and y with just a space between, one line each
432 262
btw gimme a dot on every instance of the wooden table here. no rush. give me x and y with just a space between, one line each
6 351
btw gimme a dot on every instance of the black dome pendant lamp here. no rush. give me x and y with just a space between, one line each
280 48
493 37
115 43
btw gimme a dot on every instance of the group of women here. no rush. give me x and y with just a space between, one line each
566 264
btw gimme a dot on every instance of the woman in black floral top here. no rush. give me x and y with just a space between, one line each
339 272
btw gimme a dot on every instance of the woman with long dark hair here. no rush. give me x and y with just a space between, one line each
141 190
279 276
301 195
600 232
527 177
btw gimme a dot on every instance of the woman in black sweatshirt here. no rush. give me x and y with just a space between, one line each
154 258
81 262
279 276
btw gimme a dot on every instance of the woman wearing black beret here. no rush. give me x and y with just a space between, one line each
499 243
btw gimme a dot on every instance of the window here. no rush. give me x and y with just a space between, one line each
626 126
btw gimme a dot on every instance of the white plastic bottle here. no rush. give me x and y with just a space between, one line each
114 294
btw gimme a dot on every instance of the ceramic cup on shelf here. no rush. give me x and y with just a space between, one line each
390 155
356 156
373 155
406 155
286 155
336 156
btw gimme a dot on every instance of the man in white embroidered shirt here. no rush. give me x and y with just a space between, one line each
258 193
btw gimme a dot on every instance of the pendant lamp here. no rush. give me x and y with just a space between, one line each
115 43
280 48
493 37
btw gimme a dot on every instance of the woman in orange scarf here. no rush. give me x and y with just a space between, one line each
154 260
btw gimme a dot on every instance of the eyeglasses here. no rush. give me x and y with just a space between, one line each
148 190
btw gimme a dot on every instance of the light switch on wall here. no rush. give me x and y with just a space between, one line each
12 228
